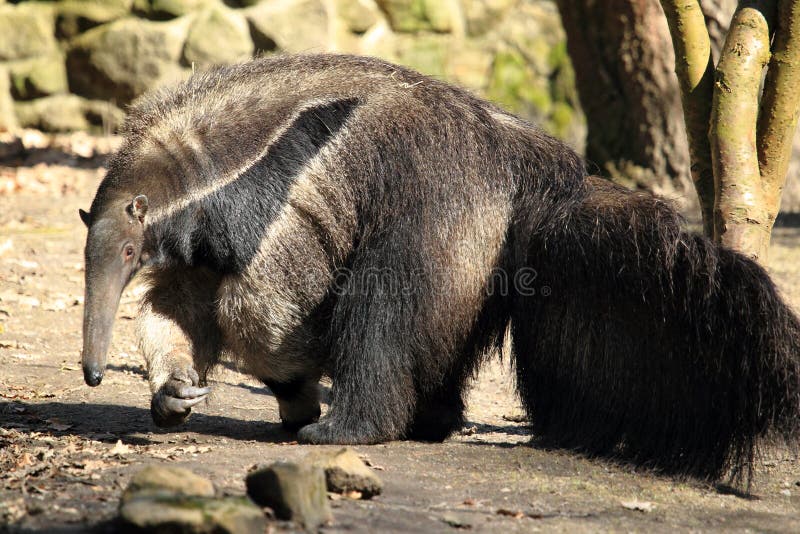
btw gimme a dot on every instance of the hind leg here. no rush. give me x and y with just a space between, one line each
436 419
373 359
298 401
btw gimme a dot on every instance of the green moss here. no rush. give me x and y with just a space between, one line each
417 15
558 56
561 119
514 85
427 54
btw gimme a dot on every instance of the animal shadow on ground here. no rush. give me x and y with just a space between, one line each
109 422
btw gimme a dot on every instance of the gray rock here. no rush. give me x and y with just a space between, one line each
293 491
64 113
121 60
27 30
300 26
42 76
345 471
192 515
217 36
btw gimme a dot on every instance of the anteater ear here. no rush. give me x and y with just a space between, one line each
138 207
86 217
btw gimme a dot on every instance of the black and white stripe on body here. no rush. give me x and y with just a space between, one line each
275 217
245 190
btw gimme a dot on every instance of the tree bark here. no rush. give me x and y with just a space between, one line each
623 61
740 215
694 66
780 106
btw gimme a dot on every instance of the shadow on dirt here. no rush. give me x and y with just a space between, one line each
109 422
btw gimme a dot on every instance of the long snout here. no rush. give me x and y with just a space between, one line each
100 307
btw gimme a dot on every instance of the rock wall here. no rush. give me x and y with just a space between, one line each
76 64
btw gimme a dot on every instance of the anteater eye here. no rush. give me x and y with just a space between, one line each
129 252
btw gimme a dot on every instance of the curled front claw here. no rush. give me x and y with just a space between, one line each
173 403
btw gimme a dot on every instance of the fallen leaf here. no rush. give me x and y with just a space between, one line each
25 460
456 522
516 514
639 506
120 449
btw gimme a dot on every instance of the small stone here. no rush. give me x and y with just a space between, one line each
162 480
345 472
293 491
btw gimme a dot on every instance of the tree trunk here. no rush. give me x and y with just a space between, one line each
741 218
624 68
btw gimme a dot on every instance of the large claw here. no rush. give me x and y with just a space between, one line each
172 404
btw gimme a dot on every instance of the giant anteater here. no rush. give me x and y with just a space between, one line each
335 215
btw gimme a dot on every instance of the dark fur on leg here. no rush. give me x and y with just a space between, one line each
654 345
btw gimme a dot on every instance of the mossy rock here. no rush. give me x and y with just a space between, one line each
471 65
121 60
515 86
158 479
217 36
75 17
300 26
65 113
27 30
484 15
33 78
8 117
412 16
357 15
427 53
192 515
170 9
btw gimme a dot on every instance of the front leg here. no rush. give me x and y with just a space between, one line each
178 338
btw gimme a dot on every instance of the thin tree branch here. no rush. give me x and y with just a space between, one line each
695 69
780 105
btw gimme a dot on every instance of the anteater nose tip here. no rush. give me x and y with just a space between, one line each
93 377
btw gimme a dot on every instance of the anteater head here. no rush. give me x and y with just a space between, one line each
113 255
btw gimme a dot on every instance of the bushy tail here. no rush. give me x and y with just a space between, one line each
652 345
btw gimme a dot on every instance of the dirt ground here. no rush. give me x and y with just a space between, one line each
67 450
